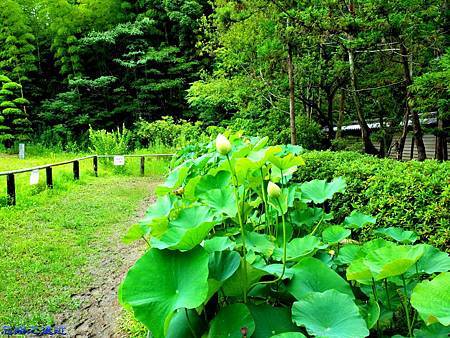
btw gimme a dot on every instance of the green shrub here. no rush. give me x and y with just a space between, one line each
411 195
103 142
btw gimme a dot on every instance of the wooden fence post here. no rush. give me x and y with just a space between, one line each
10 190
95 163
49 175
76 170
142 165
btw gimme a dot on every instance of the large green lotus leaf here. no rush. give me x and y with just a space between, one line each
223 200
188 230
329 314
433 331
286 162
162 281
234 286
134 233
221 180
156 220
289 335
432 299
174 180
311 275
348 254
282 176
376 244
392 261
271 320
309 216
183 322
300 247
399 235
370 312
277 269
259 243
334 234
218 244
432 261
357 220
230 320
359 271
223 264
319 191
261 156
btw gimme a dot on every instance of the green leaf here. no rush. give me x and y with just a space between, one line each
432 331
218 244
133 234
432 261
392 260
334 234
277 269
234 286
223 200
289 335
329 314
348 253
260 157
223 264
155 220
319 191
180 325
309 216
221 180
188 230
300 247
311 275
399 235
286 162
163 281
173 181
359 271
230 320
271 320
370 313
357 220
432 299
259 243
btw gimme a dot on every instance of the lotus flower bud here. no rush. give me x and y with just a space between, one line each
273 190
331 253
223 146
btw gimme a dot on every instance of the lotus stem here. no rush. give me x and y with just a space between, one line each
190 324
241 224
406 307
374 290
387 293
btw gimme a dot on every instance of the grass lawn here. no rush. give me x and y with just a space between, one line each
46 240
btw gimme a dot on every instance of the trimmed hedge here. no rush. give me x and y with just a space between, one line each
411 195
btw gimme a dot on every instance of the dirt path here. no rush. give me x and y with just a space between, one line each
99 310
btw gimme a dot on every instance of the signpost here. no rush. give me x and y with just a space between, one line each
119 160
21 151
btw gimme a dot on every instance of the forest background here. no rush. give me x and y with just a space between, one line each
296 71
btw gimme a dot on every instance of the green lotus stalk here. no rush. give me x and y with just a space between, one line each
241 225
406 307
266 205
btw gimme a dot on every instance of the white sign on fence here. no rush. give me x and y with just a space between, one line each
119 160
21 151
34 177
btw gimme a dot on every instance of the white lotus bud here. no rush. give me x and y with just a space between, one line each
273 190
223 146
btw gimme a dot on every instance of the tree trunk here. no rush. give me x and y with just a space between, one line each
330 124
341 114
401 142
417 129
441 140
291 96
369 148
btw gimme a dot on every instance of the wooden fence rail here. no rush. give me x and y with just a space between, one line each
10 175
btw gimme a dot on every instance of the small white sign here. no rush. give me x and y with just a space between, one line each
21 151
119 160
34 177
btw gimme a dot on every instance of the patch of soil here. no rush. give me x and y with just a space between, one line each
99 310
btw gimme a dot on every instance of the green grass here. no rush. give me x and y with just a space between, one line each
46 240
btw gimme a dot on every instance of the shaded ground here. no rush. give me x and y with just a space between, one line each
99 310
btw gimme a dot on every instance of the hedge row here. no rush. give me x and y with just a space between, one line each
410 195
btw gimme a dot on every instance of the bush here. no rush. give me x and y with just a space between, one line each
171 134
411 195
110 143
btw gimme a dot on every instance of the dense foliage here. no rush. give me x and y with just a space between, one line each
291 70
238 249
410 195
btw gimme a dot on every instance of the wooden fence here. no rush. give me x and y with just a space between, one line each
10 175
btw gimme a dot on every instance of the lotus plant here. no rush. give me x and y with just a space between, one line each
237 248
